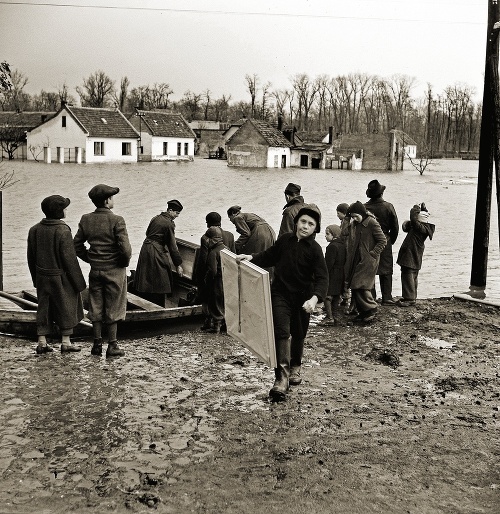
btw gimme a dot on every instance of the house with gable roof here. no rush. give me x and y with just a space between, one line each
164 136
13 129
85 134
257 144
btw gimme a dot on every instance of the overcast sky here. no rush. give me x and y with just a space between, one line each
213 44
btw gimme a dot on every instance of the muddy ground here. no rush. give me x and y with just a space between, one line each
395 417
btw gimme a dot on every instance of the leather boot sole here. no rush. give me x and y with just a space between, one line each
277 395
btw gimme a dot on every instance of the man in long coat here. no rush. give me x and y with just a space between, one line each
56 274
153 273
388 220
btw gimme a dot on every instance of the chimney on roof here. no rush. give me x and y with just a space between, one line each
330 135
280 122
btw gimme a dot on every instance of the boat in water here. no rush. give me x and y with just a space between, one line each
18 309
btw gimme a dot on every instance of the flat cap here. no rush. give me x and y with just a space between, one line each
53 206
175 205
102 191
213 219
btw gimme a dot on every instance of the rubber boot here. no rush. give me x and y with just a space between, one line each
296 352
97 347
282 371
215 329
207 324
114 350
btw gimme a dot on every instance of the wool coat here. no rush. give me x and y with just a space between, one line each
335 256
290 210
56 274
153 272
256 235
412 250
213 279
386 215
366 243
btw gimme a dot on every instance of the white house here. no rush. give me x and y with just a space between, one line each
84 134
164 136
256 144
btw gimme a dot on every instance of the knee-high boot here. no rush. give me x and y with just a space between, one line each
296 352
282 371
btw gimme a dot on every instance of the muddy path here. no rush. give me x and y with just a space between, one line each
398 416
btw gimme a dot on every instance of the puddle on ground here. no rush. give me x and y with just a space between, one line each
438 344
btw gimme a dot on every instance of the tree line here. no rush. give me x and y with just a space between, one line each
442 124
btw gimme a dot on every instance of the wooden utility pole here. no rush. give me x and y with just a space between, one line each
489 154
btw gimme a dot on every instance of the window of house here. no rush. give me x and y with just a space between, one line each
98 147
165 148
126 149
186 148
179 148
63 121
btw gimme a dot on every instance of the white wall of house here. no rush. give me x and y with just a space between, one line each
275 156
157 150
53 135
113 150
411 151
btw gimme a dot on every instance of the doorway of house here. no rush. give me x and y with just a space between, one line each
304 161
315 163
283 161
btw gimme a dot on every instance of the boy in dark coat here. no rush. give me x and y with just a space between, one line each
213 280
411 252
366 242
294 201
56 275
300 282
335 255
213 219
108 254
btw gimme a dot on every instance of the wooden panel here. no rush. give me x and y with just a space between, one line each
248 311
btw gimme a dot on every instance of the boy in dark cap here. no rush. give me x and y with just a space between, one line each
388 220
294 201
108 254
153 274
300 282
213 219
56 275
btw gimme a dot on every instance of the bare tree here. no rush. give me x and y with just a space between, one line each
97 89
252 82
15 99
121 98
306 91
12 134
191 103
264 108
422 162
206 106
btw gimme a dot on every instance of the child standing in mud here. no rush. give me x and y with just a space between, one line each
300 282
56 275
108 254
411 252
335 261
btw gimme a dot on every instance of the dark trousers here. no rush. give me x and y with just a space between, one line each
363 300
409 283
385 287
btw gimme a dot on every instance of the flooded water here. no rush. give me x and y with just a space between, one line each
448 188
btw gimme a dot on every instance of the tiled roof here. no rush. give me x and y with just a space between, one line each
162 124
272 135
24 120
100 122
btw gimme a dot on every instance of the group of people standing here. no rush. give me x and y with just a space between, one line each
360 247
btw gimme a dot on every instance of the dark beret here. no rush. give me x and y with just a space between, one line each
102 191
357 208
213 219
175 205
343 207
53 206
292 189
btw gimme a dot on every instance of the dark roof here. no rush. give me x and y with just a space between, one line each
24 120
162 124
272 135
311 136
101 122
